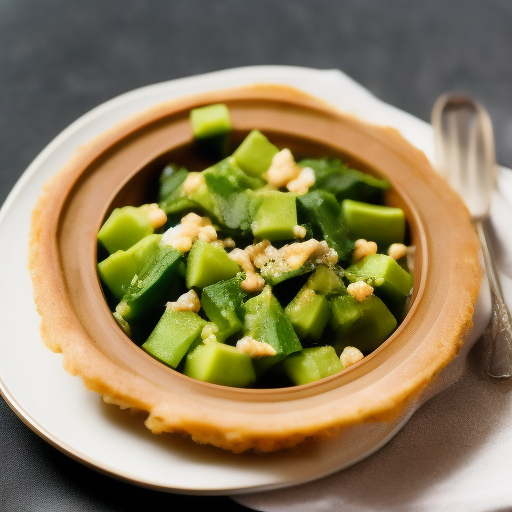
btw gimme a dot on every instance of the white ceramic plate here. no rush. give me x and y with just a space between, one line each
56 405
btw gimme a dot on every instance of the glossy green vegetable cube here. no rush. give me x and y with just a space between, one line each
118 270
220 364
311 364
144 250
255 153
223 304
210 120
266 321
383 225
208 264
372 328
150 288
390 281
276 217
309 313
326 280
211 126
345 312
173 336
124 227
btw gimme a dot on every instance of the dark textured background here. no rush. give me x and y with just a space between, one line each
59 59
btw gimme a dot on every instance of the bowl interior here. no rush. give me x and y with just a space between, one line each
123 168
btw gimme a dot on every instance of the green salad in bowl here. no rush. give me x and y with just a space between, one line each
260 270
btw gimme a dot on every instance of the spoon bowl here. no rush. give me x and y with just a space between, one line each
464 143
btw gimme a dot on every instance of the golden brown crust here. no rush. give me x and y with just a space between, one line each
76 321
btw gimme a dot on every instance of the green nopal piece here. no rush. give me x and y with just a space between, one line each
266 321
173 336
230 193
390 281
309 313
322 212
326 280
383 225
255 154
345 312
170 181
208 264
153 285
211 126
118 270
223 304
124 227
345 183
311 364
220 364
370 330
276 216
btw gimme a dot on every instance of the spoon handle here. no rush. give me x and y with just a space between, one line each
500 332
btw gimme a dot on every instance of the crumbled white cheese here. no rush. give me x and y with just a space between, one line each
156 216
252 283
207 234
208 332
228 242
359 290
303 182
254 348
192 226
363 248
187 302
193 219
411 251
299 231
192 182
296 254
397 251
257 253
242 257
283 169
350 356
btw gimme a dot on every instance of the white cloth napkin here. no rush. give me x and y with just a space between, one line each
455 453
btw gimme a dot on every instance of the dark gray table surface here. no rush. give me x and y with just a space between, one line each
59 59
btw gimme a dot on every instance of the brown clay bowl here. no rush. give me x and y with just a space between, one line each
119 167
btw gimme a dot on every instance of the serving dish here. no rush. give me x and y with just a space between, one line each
116 170
384 433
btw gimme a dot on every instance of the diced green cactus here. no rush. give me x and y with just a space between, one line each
383 225
124 227
255 154
220 364
311 364
173 336
208 264
276 217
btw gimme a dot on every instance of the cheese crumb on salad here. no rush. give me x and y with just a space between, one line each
350 356
359 290
254 348
187 302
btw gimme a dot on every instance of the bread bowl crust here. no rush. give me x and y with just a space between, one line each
379 388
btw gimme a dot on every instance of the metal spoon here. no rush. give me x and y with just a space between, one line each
465 151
